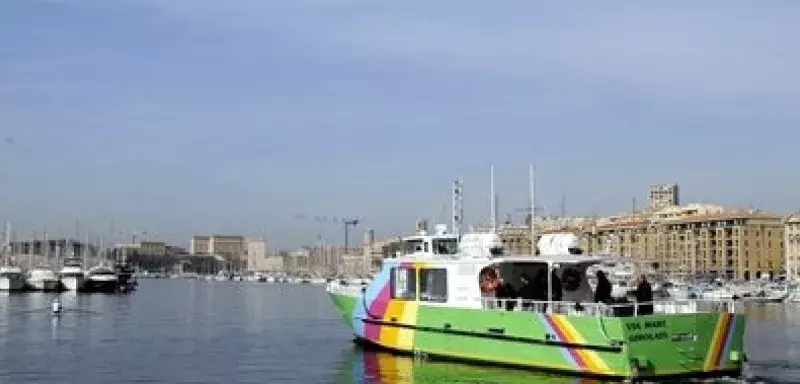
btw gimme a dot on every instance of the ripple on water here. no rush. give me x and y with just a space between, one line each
174 331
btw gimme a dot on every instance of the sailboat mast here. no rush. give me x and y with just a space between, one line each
492 201
532 180
7 244
30 250
458 207
46 247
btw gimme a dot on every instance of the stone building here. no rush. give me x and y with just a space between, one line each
695 239
791 242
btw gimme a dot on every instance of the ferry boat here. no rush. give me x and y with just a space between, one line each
428 302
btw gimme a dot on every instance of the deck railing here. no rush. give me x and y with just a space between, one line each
616 309
580 309
345 289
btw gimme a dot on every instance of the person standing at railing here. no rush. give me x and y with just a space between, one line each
492 285
557 291
527 292
505 292
602 293
644 296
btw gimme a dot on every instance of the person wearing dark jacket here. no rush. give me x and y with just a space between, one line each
527 292
602 293
555 281
506 291
644 296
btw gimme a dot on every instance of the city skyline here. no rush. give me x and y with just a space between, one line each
197 117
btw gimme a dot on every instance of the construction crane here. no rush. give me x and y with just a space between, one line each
347 222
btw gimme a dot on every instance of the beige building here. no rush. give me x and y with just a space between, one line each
791 243
297 262
695 239
663 196
154 248
325 259
259 259
230 247
199 245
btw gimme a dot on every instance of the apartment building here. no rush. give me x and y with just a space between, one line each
259 259
298 261
152 248
230 247
663 196
791 241
696 239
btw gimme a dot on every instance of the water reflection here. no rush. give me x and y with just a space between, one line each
367 365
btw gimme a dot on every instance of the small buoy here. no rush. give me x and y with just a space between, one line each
56 307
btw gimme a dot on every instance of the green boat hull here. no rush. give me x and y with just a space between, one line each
370 365
653 346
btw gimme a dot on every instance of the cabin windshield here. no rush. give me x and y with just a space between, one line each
414 245
445 246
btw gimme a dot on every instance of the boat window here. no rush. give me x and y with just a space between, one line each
445 246
411 246
404 283
433 284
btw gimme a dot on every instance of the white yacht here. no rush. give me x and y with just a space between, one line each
794 293
716 292
12 278
102 278
771 293
73 276
44 279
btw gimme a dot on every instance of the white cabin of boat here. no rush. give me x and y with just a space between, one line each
441 269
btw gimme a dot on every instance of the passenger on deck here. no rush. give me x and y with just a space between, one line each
505 291
602 294
527 292
555 281
539 286
644 296
489 282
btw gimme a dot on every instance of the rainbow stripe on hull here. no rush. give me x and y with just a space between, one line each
698 344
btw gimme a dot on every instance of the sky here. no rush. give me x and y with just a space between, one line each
252 117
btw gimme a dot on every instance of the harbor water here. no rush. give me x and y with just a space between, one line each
196 331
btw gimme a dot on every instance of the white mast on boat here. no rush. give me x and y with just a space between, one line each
30 250
492 200
58 248
458 206
46 248
85 253
7 244
531 176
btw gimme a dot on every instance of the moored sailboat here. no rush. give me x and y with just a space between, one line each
12 277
